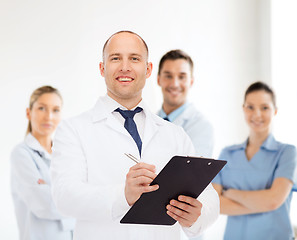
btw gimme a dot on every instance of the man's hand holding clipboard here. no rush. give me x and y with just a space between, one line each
171 195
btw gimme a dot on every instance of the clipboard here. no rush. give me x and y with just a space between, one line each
187 176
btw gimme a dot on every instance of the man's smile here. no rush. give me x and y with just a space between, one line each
125 79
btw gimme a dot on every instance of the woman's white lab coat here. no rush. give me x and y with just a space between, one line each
37 216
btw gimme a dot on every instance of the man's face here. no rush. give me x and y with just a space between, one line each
125 68
175 79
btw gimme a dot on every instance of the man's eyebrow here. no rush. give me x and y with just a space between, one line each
167 72
136 54
114 54
131 54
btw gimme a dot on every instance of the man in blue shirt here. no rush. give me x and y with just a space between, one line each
175 77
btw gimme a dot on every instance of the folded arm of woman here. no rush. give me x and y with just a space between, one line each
228 206
238 202
262 200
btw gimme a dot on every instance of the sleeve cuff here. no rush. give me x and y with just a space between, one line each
67 224
196 229
120 206
209 212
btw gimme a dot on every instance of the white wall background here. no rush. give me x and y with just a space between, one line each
284 75
59 43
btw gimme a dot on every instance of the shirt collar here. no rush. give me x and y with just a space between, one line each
173 115
238 146
106 105
269 144
33 143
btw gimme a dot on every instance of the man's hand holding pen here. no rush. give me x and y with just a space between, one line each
138 181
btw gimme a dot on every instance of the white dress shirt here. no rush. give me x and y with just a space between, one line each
89 170
37 216
139 118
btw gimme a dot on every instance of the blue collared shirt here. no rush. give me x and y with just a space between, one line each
173 115
273 160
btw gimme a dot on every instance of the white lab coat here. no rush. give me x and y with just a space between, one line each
89 169
198 128
37 216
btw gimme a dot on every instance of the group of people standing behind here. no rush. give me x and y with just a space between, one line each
254 188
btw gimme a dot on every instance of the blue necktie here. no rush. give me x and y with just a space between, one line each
130 124
166 118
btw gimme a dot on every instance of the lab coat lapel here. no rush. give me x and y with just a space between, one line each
114 124
33 143
184 116
152 122
100 113
152 125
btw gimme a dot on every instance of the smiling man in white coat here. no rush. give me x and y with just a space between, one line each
94 182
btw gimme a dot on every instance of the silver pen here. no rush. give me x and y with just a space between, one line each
132 157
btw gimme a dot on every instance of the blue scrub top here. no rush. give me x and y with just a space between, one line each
273 160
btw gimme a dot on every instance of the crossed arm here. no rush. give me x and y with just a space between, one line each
239 202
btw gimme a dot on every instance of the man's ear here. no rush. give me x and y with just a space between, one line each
158 80
101 67
192 81
149 69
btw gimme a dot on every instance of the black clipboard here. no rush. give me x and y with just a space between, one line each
182 175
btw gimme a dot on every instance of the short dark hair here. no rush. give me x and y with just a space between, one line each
174 55
124 31
260 86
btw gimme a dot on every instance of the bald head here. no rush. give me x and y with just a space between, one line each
123 32
125 68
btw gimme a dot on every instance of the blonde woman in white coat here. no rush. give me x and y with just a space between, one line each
37 216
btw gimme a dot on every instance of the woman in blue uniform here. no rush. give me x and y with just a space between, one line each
37 217
255 185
